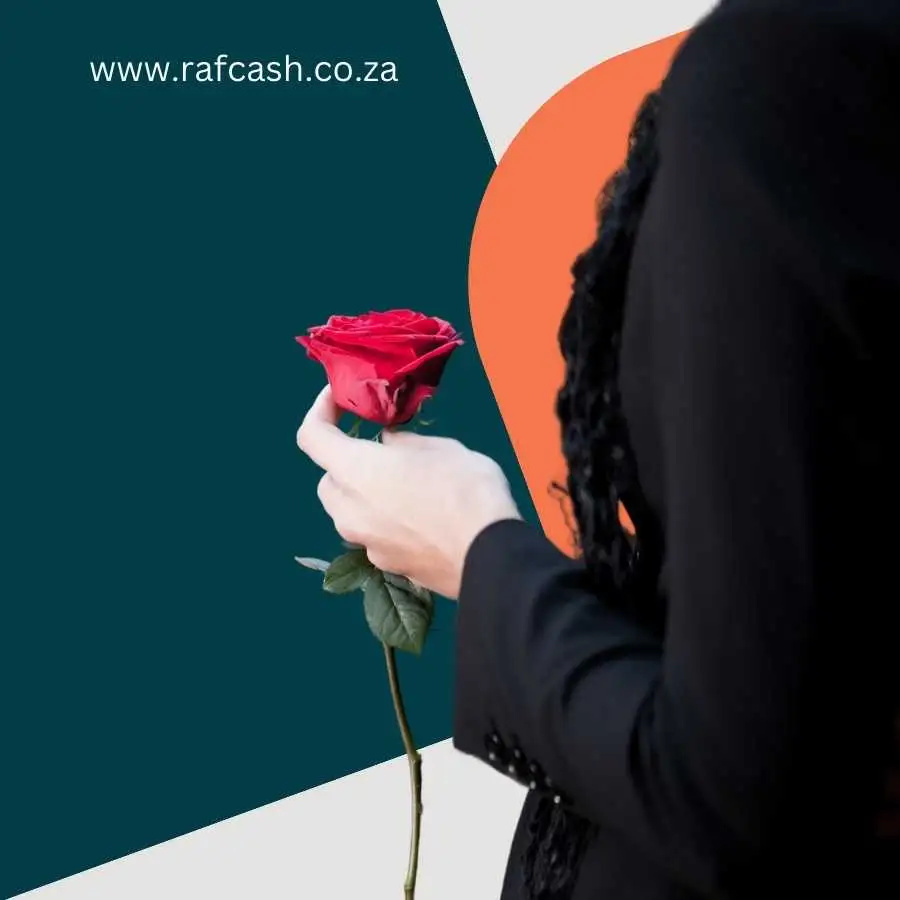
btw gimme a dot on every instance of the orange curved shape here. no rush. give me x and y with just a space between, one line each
537 215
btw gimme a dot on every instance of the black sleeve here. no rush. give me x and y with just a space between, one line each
745 745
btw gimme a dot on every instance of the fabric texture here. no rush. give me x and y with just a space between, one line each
740 751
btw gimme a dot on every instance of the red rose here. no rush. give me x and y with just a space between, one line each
382 365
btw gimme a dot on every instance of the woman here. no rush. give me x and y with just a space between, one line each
702 708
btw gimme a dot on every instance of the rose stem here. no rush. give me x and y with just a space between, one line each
415 772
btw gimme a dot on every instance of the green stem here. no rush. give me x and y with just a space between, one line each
415 772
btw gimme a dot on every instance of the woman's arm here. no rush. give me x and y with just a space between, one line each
745 748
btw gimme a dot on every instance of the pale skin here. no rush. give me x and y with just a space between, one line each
415 502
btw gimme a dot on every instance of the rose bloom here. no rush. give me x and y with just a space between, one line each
382 365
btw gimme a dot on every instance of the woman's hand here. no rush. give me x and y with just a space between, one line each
415 503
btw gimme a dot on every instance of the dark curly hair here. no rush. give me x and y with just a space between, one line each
601 469
602 473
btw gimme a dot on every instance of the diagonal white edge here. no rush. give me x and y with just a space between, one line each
344 840
515 54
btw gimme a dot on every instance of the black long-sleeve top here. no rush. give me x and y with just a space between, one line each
741 753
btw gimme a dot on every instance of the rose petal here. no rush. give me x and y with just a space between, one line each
382 365
429 367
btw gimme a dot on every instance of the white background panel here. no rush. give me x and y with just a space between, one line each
517 53
345 840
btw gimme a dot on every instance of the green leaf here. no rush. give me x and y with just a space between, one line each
399 613
353 431
404 584
349 572
319 565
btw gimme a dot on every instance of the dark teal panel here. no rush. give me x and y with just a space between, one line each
170 664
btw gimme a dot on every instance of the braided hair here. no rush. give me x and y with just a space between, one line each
602 475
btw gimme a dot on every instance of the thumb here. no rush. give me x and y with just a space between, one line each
320 438
413 441
403 438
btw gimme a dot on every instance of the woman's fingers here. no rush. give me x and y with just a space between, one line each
347 510
326 445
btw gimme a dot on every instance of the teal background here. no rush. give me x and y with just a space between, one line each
169 665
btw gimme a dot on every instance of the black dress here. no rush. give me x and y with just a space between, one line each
739 751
